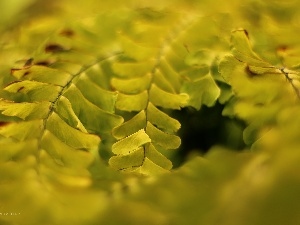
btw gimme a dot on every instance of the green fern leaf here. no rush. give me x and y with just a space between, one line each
260 88
165 99
70 135
136 123
34 91
150 168
131 143
151 77
54 112
94 118
65 110
162 139
25 110
202 91
137 79
161 119
200 84
43 74
135 159
22 131
131 103
132 86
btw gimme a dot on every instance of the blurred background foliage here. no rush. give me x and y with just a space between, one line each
213 182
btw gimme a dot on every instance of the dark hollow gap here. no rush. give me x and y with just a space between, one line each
200 130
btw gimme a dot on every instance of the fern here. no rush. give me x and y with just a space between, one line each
162 72
55 117
88 112
261 89
58 106
150 77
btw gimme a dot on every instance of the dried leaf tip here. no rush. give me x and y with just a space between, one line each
54 48
243 30
67 33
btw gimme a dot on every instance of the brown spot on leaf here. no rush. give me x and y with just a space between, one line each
243 30
249 72
20 89
3 123
26 73
54 48
28 63
42 63
67 33
246 32
112 88
186 47
259 104
282 48
12 70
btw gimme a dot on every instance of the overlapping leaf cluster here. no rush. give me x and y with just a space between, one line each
261 89
151 75
65 94
73 82
106 85
54 113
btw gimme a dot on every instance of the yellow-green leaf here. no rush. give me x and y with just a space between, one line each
43 74
133 85
92 117
134 159
36 91
131 103
64 109
167 100
131 126
161 119
23 130
158 158
25 110
158 137
131 143
72 137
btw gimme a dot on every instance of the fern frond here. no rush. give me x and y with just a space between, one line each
58 106
54 114
261 89
135 82
151 77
